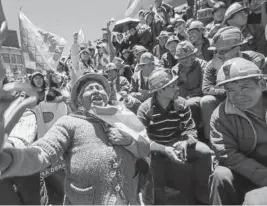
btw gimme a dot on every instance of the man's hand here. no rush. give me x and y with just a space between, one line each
181 149
170 153
116 138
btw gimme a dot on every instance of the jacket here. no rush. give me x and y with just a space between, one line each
234 139
96 172
190 80
168 61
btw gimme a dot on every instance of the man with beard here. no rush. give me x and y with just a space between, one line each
176 152
226 45
238 136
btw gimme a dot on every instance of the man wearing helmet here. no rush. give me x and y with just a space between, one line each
238 136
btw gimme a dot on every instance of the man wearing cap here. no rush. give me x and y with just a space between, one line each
119 82
168 59
219 10
139 83
174 143
189 71
160 48
238 136
196 31
237 15
226 45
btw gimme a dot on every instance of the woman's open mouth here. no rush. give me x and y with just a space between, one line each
97 98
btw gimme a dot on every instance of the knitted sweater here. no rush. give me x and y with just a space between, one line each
96 172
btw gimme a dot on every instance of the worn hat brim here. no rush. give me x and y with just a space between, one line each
175 78
213 48
241 9
162 36
86 78
239 78
174 40
179 58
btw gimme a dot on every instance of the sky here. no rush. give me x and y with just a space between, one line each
64 17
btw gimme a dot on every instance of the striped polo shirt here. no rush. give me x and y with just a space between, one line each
166 126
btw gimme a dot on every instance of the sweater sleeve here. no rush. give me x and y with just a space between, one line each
209 82
24 132
45 152
227 151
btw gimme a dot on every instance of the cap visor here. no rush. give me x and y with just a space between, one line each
239 78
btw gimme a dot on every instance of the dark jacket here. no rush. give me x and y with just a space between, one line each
168 60
190 80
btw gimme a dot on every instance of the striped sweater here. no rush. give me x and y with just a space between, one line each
167 126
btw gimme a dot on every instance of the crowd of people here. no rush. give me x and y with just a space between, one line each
195 79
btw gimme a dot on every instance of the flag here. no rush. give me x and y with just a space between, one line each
42 49
81 37
135 6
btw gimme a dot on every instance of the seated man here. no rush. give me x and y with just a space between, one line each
189 70
175 148
168 59
196 31
238 135
226 45
139 84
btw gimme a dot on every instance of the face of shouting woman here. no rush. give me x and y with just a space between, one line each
94 94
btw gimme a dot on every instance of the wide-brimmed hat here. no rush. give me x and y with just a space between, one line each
163 34
159 79
86 50
83 82
236 69
146 58
226 37
219 5
138 49
111 66
233 9
172 38
196 25
185 49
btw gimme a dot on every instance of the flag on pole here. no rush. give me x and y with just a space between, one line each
135 6
81 37
42 49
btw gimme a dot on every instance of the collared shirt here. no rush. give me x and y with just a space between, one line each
169 125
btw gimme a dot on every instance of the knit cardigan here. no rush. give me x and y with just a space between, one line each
96 172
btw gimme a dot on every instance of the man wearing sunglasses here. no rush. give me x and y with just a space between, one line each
179 160
226 45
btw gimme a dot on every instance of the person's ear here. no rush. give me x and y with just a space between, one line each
262 84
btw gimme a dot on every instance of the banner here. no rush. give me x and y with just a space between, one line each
135 6
41 48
